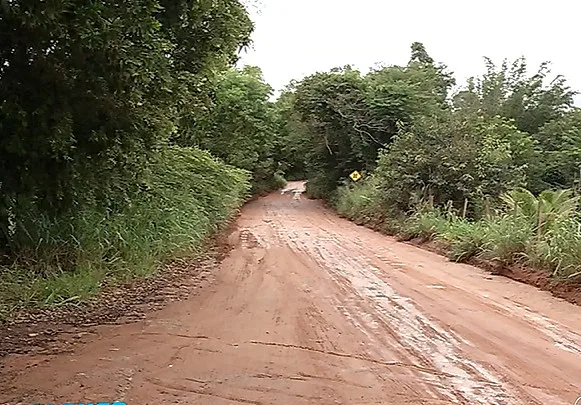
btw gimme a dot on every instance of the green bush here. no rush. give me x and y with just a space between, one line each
425 225
92 90
558 250
360 202
186 196
464 238
451 158
320 187
267 183
507 239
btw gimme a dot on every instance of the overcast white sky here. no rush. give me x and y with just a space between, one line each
294 38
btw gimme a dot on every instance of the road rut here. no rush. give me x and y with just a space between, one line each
309 308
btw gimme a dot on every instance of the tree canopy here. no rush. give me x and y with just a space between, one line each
505 129
90 90
240 127
348 117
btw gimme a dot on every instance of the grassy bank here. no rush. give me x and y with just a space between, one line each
540 232
185 198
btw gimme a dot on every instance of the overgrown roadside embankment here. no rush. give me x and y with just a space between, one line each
534 240
187 198
55 329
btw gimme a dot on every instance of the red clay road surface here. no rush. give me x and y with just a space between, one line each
311 309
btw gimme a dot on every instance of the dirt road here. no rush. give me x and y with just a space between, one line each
311 309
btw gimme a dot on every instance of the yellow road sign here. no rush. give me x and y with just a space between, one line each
355 175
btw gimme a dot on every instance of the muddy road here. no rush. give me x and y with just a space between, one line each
311 309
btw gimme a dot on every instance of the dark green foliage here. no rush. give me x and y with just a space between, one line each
327 103
559 145
91 90
186 194
241 126
293 140
342 119
91 96
452 159
83 96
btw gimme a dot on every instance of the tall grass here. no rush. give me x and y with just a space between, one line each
358 203
507 239
425 225
186 197
465 239
542 232
362 203
558 250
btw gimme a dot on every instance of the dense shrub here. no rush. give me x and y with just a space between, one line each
185 197
240 128
451 158
543 232
89 92
320 187
92 96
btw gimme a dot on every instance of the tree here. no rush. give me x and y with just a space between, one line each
207 38
89 92
326 104
451 159
420 55
350 117
439 78
292 137
507 91
241 126
559 148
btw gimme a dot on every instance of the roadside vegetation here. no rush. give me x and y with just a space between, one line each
489 169
128 138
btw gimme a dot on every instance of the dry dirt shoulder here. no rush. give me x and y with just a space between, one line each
55 330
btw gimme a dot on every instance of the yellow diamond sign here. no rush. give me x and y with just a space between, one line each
355 175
